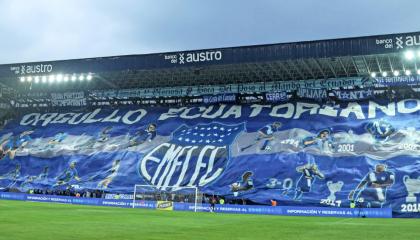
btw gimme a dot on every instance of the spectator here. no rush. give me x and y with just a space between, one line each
213 204
273 203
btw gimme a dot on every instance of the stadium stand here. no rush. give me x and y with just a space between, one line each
319 124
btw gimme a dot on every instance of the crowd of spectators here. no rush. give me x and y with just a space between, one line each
183 198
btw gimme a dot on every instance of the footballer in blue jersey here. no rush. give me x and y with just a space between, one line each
35 179
322 140
246 183
108 175
58 138
100 137
380 130
14 143
44 175
103 135
68 175
265 133
371 191
143 135
12 176
309 174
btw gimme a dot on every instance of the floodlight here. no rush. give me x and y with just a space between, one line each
409 55
51 78
59 77
407 72
373 74
384 74
396 73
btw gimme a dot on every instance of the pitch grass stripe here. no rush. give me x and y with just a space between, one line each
46 221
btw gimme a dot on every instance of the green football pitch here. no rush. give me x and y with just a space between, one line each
45 221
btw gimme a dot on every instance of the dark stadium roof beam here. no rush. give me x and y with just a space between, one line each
372 65
318 66
291 77
272 72
277 69
296 69
391 66
306 66
410 65
250 67
343 67
367 64
400 63
405 70
360 64
267 74
385 63
379 65
328 63
403 65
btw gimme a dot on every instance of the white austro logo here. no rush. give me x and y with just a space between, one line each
408 41
32 69
200 57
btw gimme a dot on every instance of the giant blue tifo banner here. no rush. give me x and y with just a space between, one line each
363 154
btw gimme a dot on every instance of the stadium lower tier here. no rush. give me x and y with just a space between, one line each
361 154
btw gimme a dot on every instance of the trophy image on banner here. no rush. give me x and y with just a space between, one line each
413 187
334 187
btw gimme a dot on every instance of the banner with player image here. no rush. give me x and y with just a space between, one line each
361 154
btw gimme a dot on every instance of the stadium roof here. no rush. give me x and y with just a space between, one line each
323 59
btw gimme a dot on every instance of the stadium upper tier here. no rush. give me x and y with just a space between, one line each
323 59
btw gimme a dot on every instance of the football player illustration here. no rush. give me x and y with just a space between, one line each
246 183
267 134
67 175
143 135
43 175
15 143
104 134
12 176
100 137
35 179
323 141
380 130
371 191
310 173
57 139
108 175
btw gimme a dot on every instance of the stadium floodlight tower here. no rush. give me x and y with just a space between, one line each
169 194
